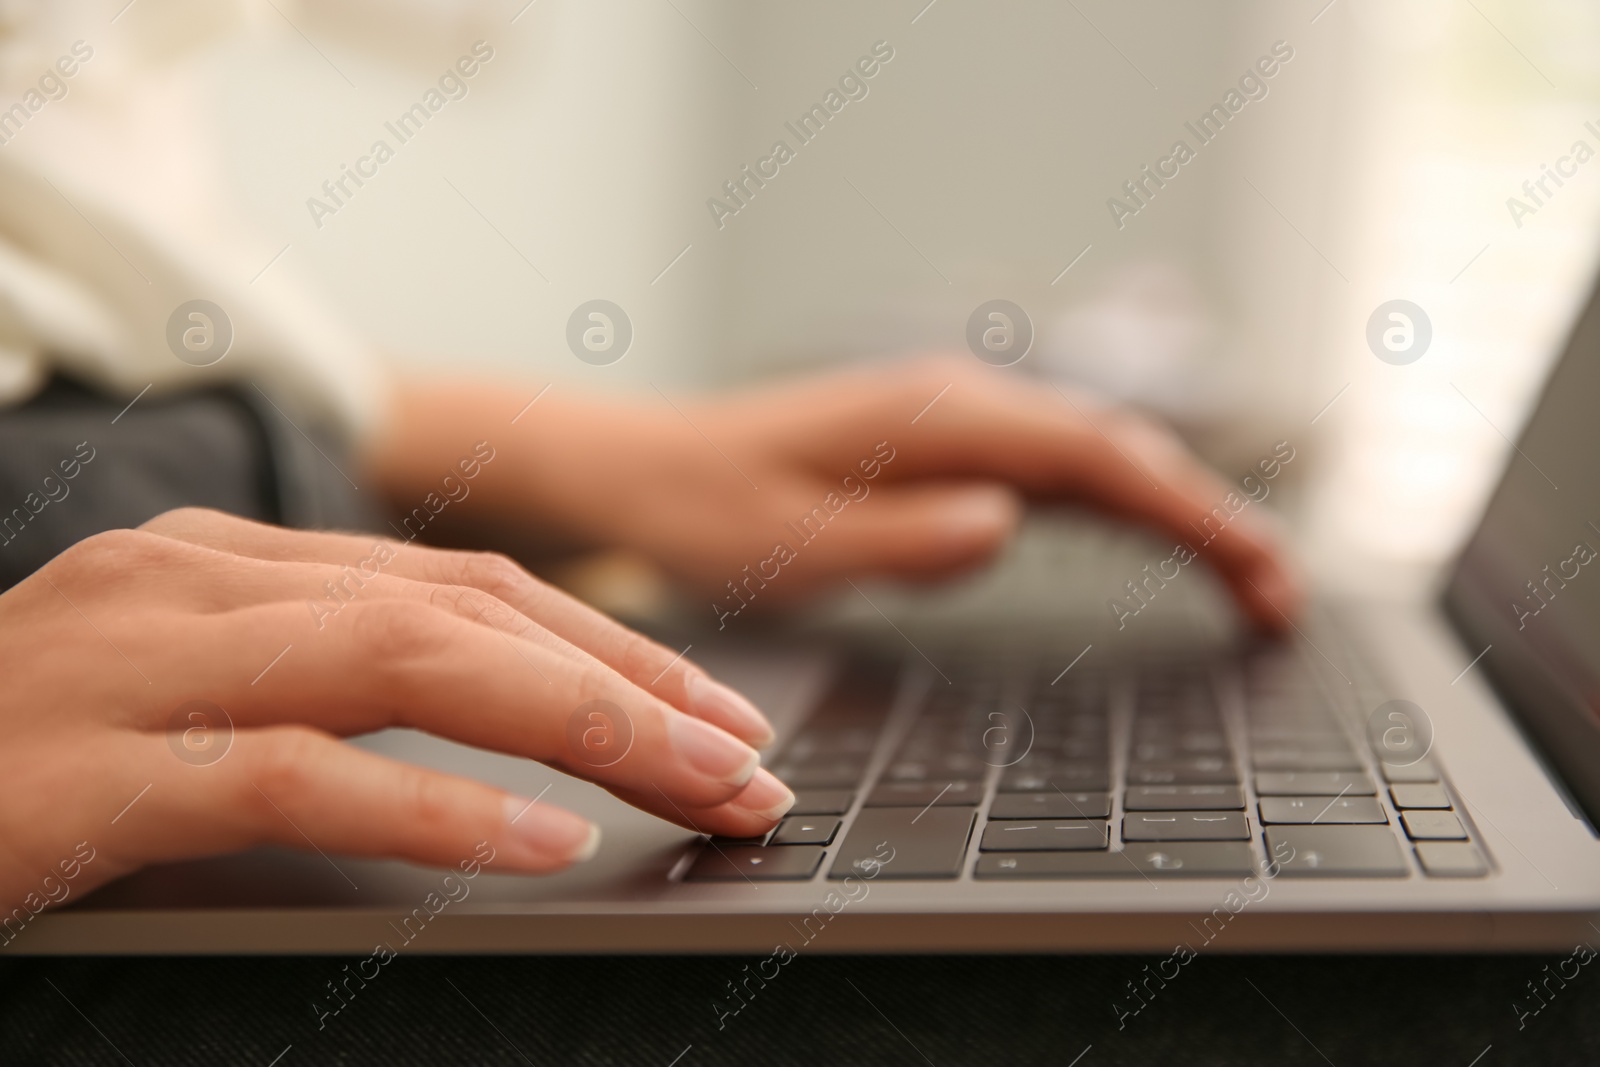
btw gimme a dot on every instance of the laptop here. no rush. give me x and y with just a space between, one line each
1385 779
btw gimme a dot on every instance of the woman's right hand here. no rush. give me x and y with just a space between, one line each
109 643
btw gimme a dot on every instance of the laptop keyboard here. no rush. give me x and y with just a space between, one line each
1215 769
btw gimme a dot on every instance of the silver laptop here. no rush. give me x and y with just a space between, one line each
1386 780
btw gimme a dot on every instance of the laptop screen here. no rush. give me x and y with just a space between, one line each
1527 585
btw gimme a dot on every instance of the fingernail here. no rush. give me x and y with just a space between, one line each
711 750
980 513
551 832
1280 590
766 796
1281 601
716 703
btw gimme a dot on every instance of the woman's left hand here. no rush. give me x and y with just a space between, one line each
915 470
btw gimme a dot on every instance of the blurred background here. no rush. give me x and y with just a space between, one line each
979 164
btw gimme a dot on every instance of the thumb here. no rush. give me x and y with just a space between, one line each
915 530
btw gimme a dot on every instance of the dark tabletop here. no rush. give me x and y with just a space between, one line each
1455 1011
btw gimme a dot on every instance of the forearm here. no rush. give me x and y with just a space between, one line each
493 456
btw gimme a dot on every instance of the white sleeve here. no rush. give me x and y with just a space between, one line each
88 290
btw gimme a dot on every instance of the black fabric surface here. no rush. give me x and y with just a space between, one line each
1457 1011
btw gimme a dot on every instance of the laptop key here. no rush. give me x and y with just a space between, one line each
1184 859
1314 784
822 774
1208 771
909 771
845 741
805 830
1433 826
938 768
1080 776
921 794
742 863
1451 859
1201 741
927 842
1051 805
1046 835
1186 826
1076 751
1297 759
1160 747
1420 771
1183 798
1067 777
1419 795
1205 764
1025 780
1336 851
822 801
1328 811
1316 731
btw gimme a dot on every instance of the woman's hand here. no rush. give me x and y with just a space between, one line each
303 638
709 487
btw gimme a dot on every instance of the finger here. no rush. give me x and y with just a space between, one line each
1131 468
451 660
1198 508
990 425
750 814
670 675
912 530
395 662
300 788
406 653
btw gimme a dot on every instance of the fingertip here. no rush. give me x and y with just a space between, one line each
757 808
722 706
981 514
715 755
1251 557
765 797
545 837
1275 597
751 812
955 531
590 847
